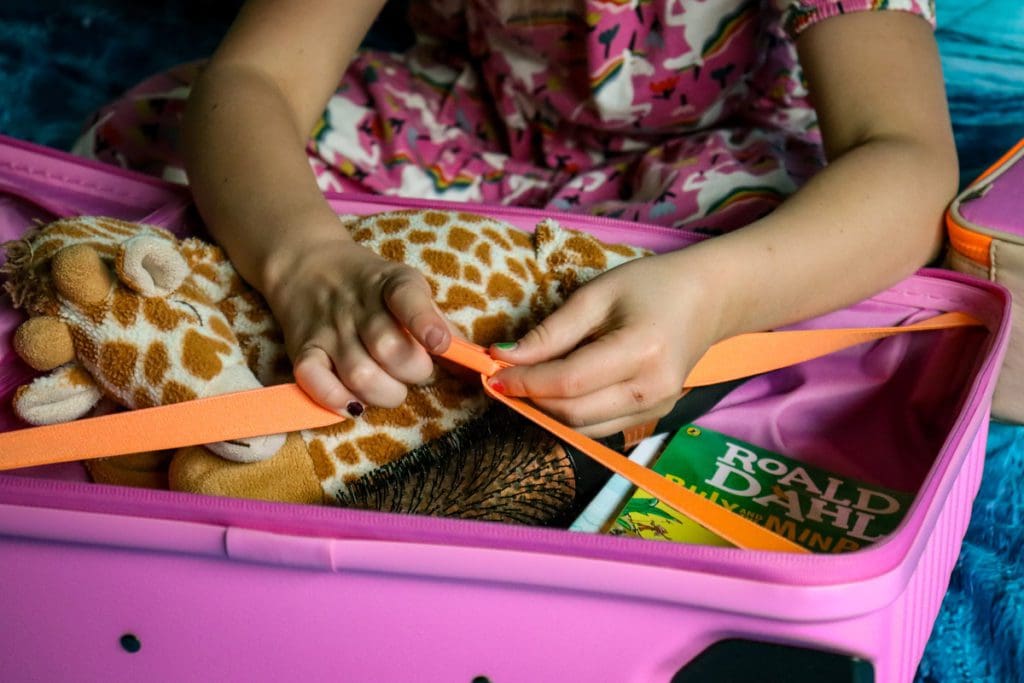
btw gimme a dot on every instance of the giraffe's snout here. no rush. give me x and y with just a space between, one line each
251 449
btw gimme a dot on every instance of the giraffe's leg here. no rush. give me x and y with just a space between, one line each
67 393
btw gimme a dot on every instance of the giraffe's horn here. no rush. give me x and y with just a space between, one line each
80 275
44 343
151 265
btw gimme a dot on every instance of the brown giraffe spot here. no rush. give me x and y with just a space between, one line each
94 313
206 271
73 230
431 431
381 449
421 237
125 307
393 250
175 392
161 315
621 249
199 355
497 238
537 274
501 286
347 453
460 239
119 227
229 307
483 252
460 297
421 406
77 376
256 315
362 235
523 240
85 347
471 273
591 254
351 478
117 363
390 417
221 329
490 329
142 398
43 252
435 219
337 429
252 355
255 309
516 268
467 217
323 466
393 225
452 393
155 363
441 262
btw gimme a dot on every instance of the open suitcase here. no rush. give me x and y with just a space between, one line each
107 583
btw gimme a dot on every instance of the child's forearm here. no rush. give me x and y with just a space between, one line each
248 119
249 173
869 219
874 214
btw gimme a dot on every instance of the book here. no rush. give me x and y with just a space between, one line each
600 513
820 510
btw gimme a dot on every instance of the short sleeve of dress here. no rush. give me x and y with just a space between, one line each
798 15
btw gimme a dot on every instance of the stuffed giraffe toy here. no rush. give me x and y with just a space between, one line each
129 313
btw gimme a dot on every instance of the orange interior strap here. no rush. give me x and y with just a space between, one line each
270 410
738 530
751 354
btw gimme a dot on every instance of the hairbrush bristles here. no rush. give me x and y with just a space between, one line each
498 467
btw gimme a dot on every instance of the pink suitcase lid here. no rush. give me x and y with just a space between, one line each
335 537
1002 188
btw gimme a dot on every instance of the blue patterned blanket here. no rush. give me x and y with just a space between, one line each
59 61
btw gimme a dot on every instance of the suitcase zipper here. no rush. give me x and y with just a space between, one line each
965 237
602 224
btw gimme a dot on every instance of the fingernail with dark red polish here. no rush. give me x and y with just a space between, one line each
354 408
496 385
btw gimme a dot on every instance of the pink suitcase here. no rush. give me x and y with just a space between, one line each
110 584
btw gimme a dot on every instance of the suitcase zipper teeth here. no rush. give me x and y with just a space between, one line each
570 219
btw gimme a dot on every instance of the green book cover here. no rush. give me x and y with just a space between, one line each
820 510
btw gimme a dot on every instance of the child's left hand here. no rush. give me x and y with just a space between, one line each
616 353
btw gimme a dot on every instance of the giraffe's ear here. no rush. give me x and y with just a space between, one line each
44 343
80 275
150 265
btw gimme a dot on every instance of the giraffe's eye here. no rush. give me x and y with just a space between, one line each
190 309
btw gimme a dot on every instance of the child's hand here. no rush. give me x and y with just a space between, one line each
345 311
617 352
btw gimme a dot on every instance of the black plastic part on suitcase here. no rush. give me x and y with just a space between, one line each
591 476
739 660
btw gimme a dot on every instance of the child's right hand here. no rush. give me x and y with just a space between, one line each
358 327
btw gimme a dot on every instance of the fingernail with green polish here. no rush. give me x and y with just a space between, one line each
506 346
